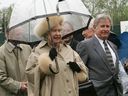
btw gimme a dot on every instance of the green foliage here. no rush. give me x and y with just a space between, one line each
117 9
5 17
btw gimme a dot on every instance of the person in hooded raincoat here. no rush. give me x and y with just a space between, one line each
123 50
13 81
44 77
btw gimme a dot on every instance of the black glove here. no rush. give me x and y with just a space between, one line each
53 53
74 66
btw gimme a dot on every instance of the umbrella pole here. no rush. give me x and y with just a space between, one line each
53 45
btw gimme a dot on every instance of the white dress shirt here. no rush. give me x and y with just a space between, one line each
112 52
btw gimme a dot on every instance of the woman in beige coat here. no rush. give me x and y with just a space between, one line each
44 76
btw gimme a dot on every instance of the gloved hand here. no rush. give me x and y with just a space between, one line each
74 66
53 53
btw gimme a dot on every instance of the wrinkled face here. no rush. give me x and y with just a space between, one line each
102 30
88 33
67 28
16 34
56 34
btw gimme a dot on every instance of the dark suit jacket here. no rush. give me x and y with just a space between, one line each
93 55
73 44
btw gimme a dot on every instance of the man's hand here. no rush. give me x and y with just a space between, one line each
23 87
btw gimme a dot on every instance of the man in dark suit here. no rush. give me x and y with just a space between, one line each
103 70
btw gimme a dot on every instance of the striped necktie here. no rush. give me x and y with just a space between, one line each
109 56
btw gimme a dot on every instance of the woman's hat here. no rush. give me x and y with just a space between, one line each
42 27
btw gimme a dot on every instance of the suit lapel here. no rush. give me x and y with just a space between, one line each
99 50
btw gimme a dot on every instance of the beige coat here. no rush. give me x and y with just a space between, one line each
65 83
12 71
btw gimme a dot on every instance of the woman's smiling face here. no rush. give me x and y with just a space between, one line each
55 34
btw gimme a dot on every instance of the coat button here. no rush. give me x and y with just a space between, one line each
67 80
65 70
69 92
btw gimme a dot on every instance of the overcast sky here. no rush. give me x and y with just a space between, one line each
6 3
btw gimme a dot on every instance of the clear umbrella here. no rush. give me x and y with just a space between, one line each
26 14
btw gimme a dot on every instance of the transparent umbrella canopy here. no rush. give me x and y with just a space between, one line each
27 13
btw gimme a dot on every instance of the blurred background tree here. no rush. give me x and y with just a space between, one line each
117 9
4 20
5 17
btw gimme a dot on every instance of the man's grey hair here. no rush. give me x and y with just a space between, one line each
102 17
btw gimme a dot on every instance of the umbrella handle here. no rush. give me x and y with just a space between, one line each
57 9
56 62
57 67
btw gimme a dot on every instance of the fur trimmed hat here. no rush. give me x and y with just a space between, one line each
42 27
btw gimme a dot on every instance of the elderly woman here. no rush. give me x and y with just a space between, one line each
54 68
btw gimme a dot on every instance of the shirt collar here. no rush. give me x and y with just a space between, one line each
100 40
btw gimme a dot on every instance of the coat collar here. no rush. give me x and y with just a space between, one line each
10 46
42 43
